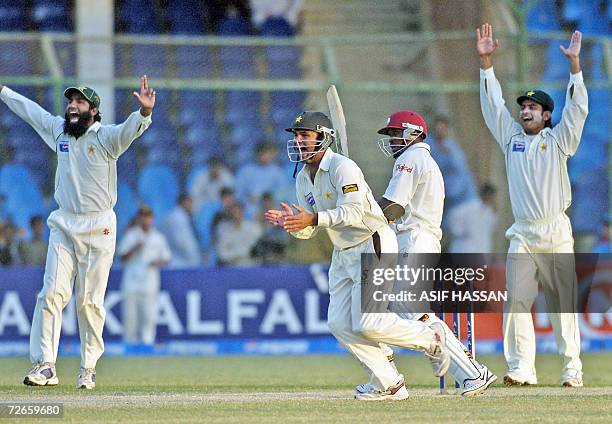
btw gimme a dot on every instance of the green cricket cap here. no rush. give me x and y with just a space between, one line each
87 92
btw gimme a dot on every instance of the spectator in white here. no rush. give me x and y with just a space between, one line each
459 183
236 238
180 232
257 178
472 223
34 252
207 185
262 10
143 252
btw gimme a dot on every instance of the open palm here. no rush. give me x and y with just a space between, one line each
573 50
485 45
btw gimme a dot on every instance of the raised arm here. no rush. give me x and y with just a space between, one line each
569 130
46 125
494 110
121 136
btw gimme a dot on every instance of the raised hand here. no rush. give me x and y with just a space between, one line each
485 45
573 50
146 97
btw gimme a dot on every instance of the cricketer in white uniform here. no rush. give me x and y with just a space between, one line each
413 204
143 252
82 238
333 194
536 165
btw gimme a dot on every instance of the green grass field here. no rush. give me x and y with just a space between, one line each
301 389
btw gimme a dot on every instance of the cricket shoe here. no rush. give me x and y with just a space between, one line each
474 387
395 392
438 354
86 379
364 388
41 374
572 379
512 379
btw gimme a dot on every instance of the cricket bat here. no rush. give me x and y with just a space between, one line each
337 118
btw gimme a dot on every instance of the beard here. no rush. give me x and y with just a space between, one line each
78 128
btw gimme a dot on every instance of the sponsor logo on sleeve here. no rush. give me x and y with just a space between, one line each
63 146
404 168
518 146
349 188
310 199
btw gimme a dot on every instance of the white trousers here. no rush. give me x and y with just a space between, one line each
362 333
79 257
139 311
531 259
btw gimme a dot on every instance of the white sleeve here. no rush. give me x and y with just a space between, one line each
404 181
117 138
568 131
311 231
350 187
496 115
47 126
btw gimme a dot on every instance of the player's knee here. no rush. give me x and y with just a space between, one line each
337 327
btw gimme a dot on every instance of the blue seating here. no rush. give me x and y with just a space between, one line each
23 196
193 61
12 16
151 62
205 134
16 59
139 17
556 63
126 207
241 105
592 21
277 27
590 200
572 10
185 17
158 187
236 26
52 15
127 167
543 16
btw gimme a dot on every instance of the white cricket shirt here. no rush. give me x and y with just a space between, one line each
417 185
342 200
86 175
138 273
536 165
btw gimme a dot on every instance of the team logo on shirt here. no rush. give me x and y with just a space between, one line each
91 150
518 146
106 231
402 167
349 188
543 147
328 195
310 199
63 146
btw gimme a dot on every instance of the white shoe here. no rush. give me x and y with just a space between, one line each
367 387
396 392
513 378
474 387
41 374
572 379
86 379
438 354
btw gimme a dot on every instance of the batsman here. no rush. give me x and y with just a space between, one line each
83 228
541 242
